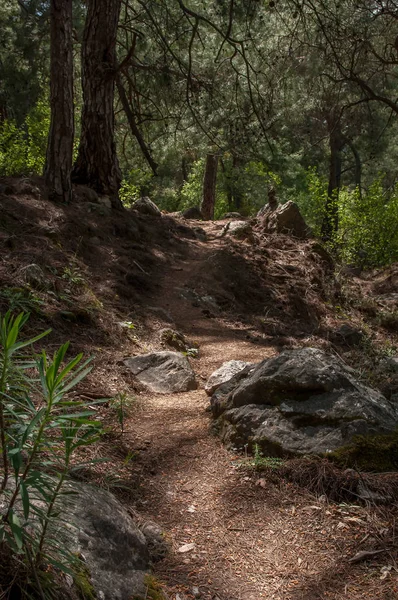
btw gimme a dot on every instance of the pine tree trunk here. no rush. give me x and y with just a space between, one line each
97 165
331 220
60 140
209 187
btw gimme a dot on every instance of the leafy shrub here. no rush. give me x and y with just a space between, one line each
312 202
40 431
134 186
368 226
368 223
23 149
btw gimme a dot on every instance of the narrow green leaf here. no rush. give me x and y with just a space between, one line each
16 529
25 499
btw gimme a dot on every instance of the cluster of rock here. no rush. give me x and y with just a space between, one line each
300 402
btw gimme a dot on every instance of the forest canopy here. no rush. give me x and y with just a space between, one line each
132 98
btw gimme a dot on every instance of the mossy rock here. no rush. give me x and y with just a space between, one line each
377 453
154 589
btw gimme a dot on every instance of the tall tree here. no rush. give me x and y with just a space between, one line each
60 141
97 164
209 187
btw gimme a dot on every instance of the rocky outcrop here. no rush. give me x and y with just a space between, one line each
223 374
287 219
115 551
300 402
163 372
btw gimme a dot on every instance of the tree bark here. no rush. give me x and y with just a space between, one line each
96 164
209 187
60 140
331 220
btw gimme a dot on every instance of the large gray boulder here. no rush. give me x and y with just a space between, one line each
163 372
300 402
224 374
115 551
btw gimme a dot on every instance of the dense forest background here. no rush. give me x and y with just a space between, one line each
297 95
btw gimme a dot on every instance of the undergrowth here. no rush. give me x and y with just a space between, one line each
40 432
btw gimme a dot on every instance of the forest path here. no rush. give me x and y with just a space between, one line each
251 542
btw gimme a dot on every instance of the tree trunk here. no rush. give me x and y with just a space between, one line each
97 165
209 187
236 190
60 140
331 218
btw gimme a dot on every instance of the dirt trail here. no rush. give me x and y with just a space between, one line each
250 541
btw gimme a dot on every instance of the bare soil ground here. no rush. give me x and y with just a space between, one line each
253 537
110 283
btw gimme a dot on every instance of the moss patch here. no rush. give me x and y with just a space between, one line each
376 453
154 589
82 580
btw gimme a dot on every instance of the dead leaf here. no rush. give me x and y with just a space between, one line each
186 547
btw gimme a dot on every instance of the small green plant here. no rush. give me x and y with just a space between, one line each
73 274
20 299
40 432
261 462
121 405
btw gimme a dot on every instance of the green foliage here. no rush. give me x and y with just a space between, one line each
368 225
261 462
312 200
23 149
134 186
73 274
20 299
192 189
41 430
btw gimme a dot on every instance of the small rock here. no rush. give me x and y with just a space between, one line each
193 212
174 339
239 229
348 335
145 206
389 363
105 201
156 542
186 548
86 194
33 275
163 372
232 215
196 592
200 234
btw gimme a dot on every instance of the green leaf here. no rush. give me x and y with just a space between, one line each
16 529
31 341
76 380
25 499
32 424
